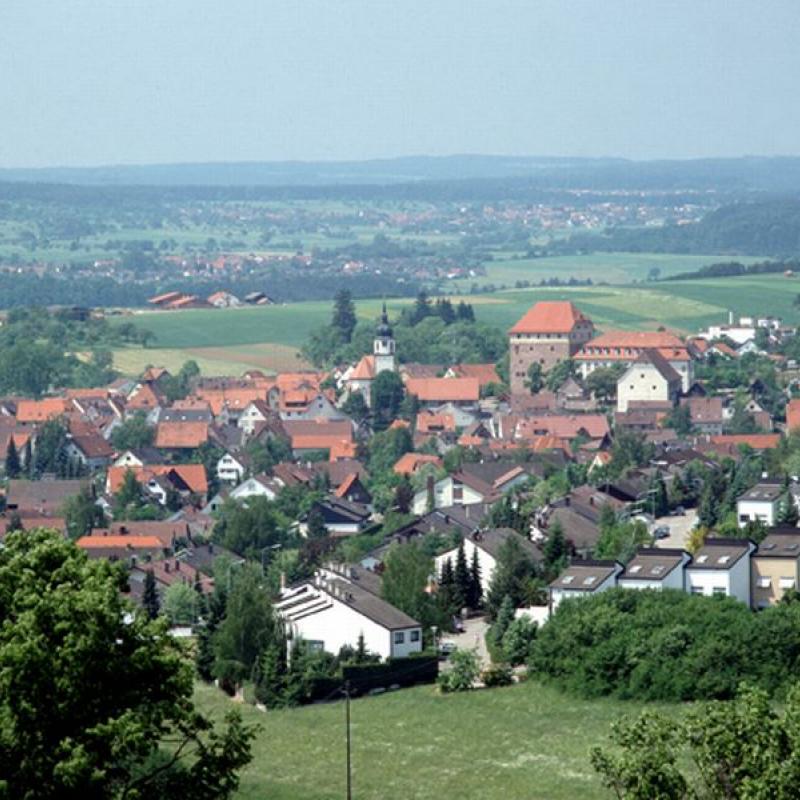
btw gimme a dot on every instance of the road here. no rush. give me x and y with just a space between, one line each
473 638
679 529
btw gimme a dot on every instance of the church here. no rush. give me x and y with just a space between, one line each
359 377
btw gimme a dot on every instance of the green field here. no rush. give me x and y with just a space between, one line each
526 742
232 340
614 268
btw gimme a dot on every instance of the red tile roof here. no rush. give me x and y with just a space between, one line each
42 410
181 435
442 390
758 441
409 463
550 316
193 475
485 373
126 542
792 416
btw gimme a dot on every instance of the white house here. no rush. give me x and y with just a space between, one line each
721 567
656 568
257 486
649 379
232 468
253 413
583 578
487 544
331 612
762 503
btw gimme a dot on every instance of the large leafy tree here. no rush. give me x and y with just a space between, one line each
344 315
388 393
96 700
405 580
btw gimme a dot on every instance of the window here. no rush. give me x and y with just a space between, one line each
697 590
399 638
414 637
786 583
764 582
719 591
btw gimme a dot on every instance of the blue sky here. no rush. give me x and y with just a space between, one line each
86 82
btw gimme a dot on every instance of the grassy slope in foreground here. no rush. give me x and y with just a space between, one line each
526 742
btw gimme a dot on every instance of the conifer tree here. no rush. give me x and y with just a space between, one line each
461 577
12 459
475 587
150 601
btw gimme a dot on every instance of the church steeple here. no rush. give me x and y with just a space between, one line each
383 346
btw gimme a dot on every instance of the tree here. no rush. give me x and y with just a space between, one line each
404 496
180 604
388 392
133 433
461 577
559 373
518 640
204 658
101 705
356 407
602 383
555 548
150 600
316 524
81 514
12 460
50 453
512 572
248 628
344 315
497 630
447 595
129 493
406 575
14 522
464 671
535 378
475 585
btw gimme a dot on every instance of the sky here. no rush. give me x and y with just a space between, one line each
96 82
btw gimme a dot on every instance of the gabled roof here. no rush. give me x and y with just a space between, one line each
409 463
181 435
653 564
654 358
193 475
485 373
550 316
42 410
585 576
443 389
793 415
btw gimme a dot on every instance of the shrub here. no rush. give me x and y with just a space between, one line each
498 675
463 672
666 646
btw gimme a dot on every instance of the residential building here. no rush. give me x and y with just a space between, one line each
488 544
649 379
332 612
549 332
656 568
775 566
721 567
583 578
761 504
625 347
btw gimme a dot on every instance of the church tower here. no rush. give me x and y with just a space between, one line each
383 346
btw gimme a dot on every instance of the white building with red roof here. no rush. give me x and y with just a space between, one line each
359 377
549 332
626 347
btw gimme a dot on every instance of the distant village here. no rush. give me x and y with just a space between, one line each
592 434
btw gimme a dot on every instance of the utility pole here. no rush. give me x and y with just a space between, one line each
347 722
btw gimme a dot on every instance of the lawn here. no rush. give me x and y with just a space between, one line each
525 742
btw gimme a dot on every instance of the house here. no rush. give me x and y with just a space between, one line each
353 490
117 548
655 568
775 566
650 379
331 612
549 332
181 435
170 533
706 414
793 415
223 299
232 467
473 483
256 411
44 498
258 299
359 378
435 391
411 463
308 436
137 457
257 486
721 567
582 578
568 427
341 517
36 411
485 373
487 544
625 347
183 478
90 449
761 504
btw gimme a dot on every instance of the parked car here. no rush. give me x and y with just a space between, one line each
661 532
446 649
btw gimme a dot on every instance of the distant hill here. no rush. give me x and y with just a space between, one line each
598 174
770 227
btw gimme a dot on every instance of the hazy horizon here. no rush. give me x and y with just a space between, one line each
141 82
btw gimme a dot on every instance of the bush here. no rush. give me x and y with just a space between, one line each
666 646
463 673
497 675
518 640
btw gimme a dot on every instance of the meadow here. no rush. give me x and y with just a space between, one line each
524 742
268 337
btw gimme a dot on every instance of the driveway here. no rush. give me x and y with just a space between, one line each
473 638
679 529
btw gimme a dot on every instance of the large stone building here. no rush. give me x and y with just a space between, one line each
550 331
